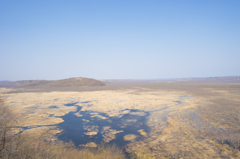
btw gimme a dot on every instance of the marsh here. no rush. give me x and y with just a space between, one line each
191 119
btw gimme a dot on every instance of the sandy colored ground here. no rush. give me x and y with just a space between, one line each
179 126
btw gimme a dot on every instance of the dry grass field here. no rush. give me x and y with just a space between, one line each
182 118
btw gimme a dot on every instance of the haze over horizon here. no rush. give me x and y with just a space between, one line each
119 39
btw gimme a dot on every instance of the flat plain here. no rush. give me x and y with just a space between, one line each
186 118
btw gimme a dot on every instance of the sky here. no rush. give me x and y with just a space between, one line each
119 39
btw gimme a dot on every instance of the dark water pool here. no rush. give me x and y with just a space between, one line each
52 107
73 126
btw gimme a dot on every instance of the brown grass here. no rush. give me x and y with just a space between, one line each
15 144
204 128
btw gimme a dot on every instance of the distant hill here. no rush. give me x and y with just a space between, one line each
5 82
57 83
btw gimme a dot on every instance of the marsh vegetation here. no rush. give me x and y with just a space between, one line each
150 119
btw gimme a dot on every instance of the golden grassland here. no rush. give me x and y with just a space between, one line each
191 121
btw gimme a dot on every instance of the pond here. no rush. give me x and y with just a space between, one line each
76 127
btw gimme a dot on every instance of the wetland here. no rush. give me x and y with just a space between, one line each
177 119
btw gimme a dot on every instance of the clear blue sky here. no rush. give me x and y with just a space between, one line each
119 39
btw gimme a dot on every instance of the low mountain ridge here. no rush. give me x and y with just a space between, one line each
80 81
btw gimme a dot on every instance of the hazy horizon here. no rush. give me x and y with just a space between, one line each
51 40
143 79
